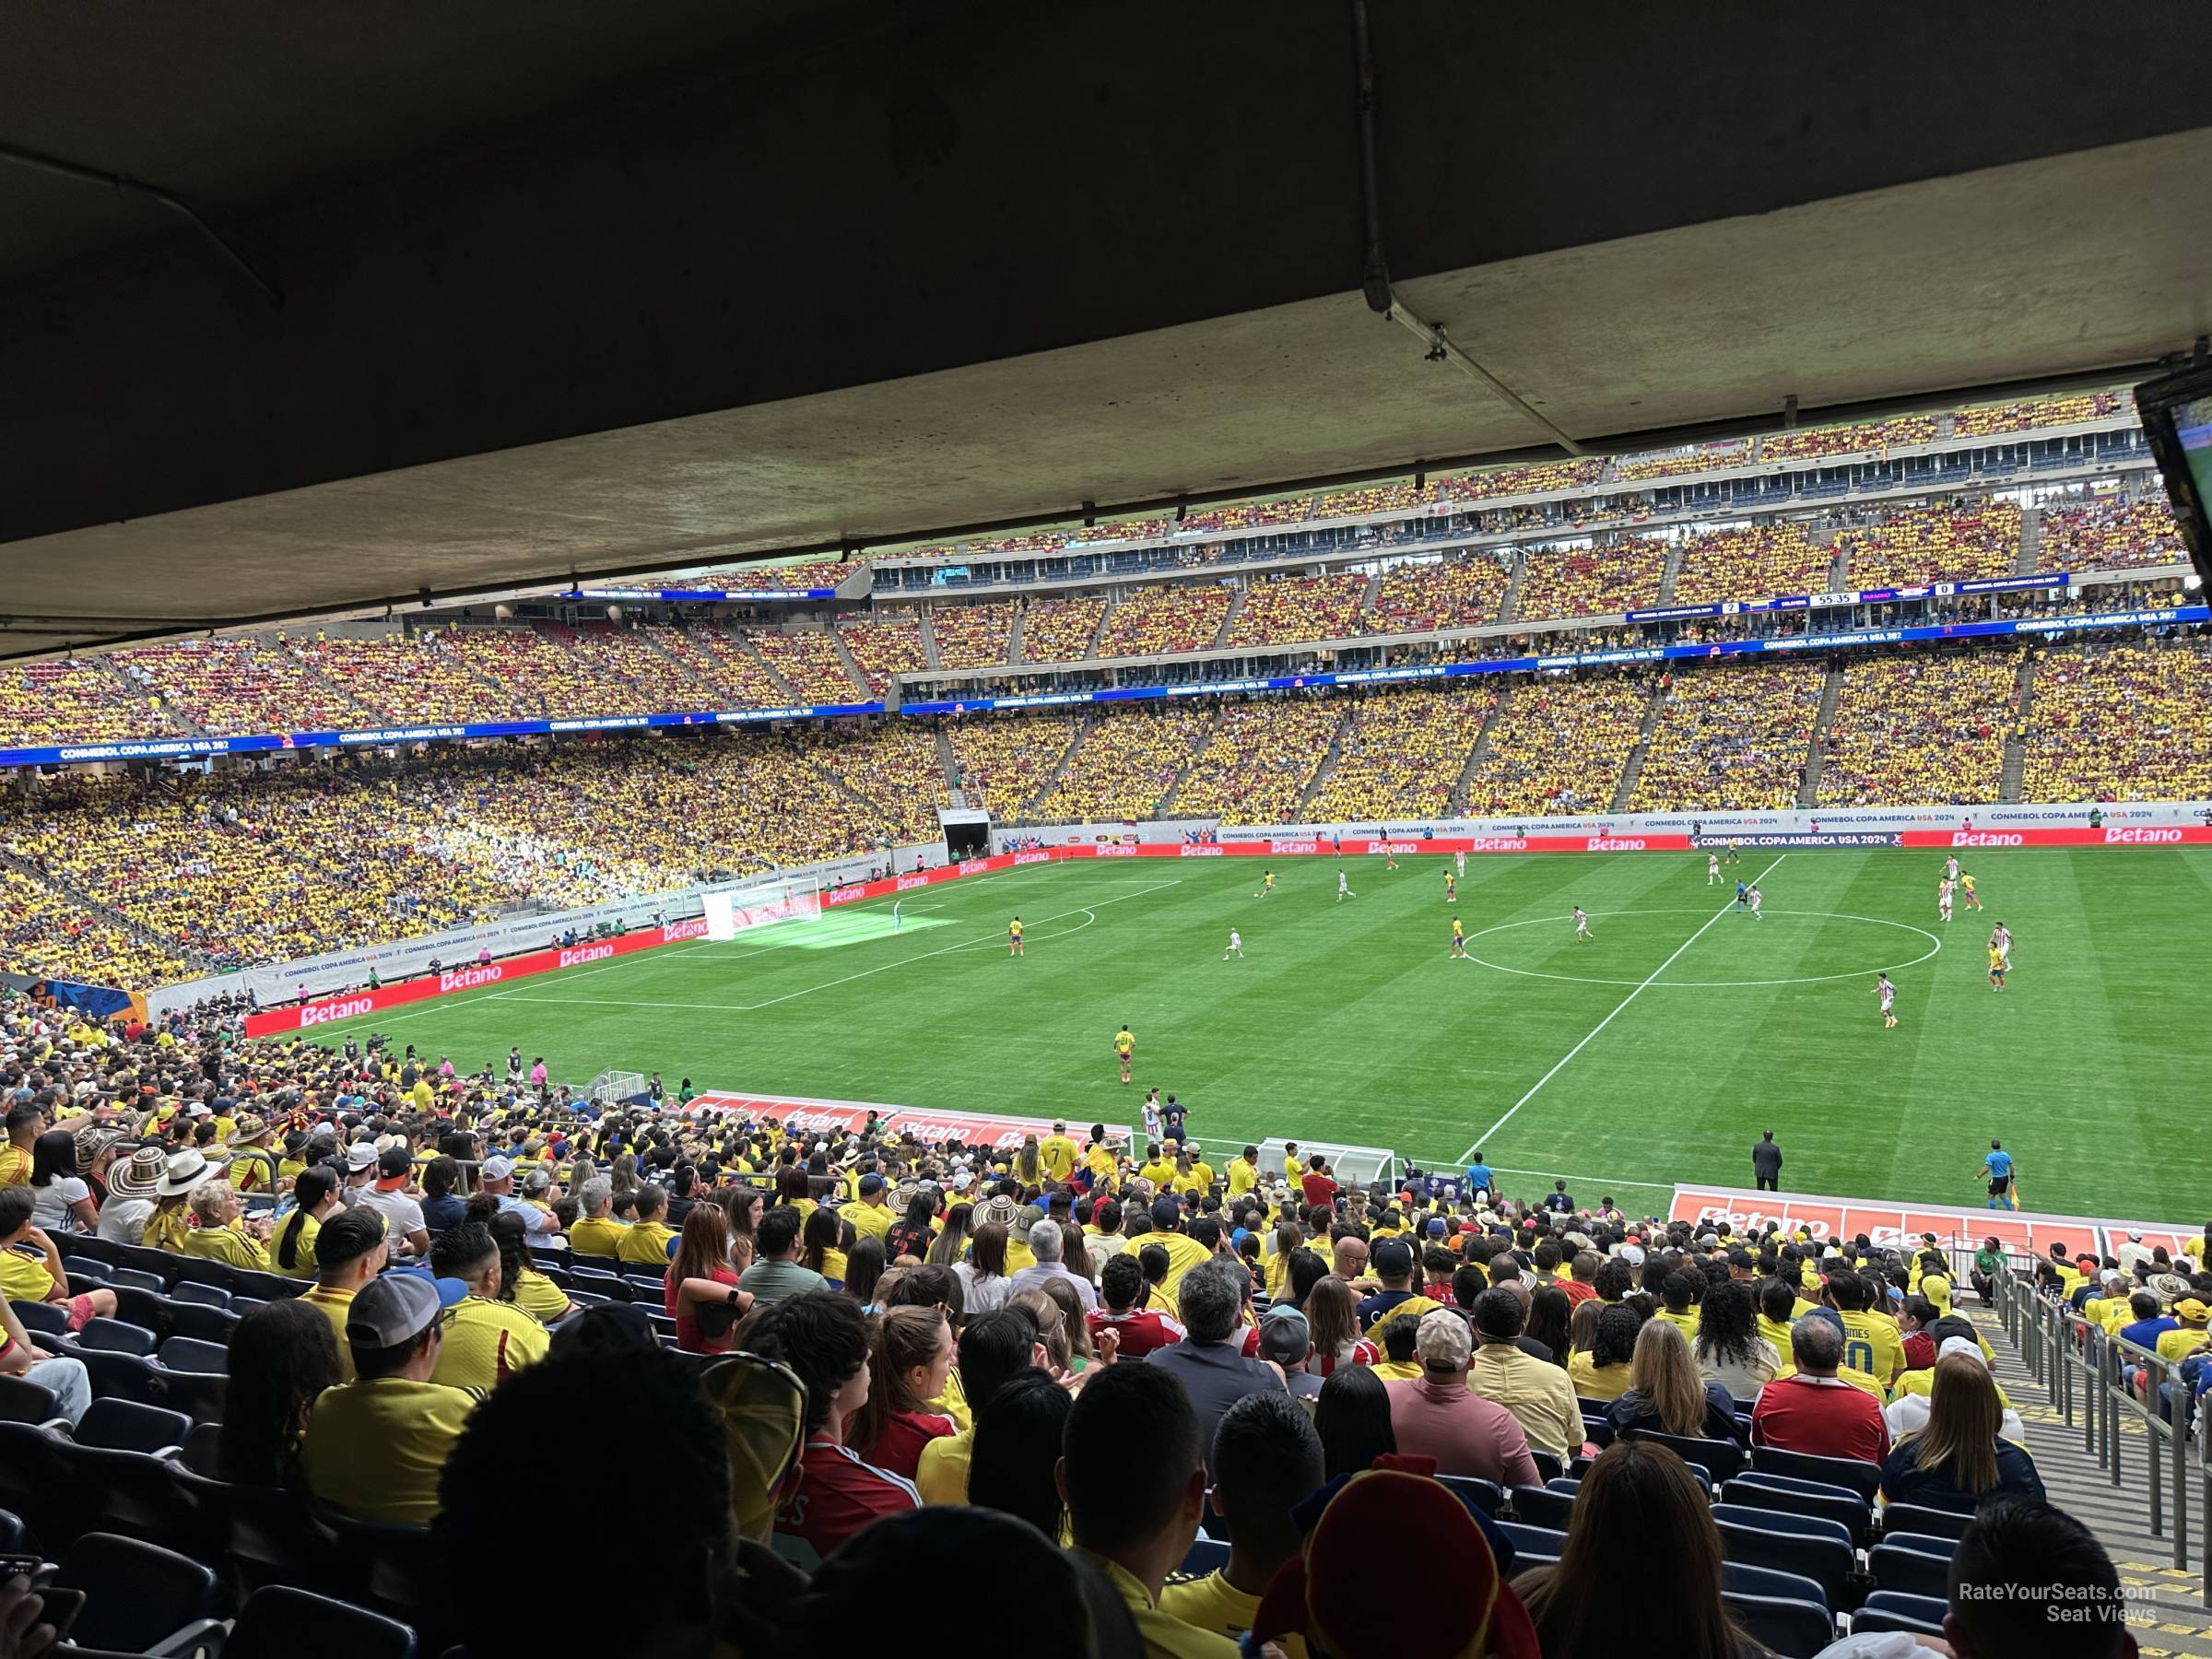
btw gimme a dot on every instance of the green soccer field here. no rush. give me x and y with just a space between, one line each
1654 1054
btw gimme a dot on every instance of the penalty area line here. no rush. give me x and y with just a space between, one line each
1649 979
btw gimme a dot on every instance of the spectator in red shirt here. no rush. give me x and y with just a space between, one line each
1813 1409
1140 1329
910 1356
1436 1415
823 1337
1317 1187
1584 1285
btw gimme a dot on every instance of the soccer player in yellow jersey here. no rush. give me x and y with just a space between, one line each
1996 969
1459 938
1966 892
1267 884
1450 887
1124 1046
1014 936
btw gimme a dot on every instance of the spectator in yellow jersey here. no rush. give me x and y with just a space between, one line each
1871 1340
30 1266
282 1358
349 1254
1268 1459
1243 1173
315 1201
1136 1520
26 1123
376 1447
1058 1154
487 1341
1603 1373
993 1349
870 1216
649 1241
223 1234
596 1232
1184 1253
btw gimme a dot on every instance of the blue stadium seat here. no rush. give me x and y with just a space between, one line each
1794 1630
135 1593
269 1625
1204 1555
1485 1495
1926 1521
1533 1545
1538 1506
1829 1561
113 1336
1900 1567
192 1290
126 1426
190 1354
1740 1578
43 1319
23 1401
1548 1468
1722 1460
1803 1497
1865 1478
1895 1610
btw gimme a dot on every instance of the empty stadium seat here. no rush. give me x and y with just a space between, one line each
113 1336
1863 1477
1485 1495
1720 1460
270 1623
1895 1610
1794 1630
1926 1521
135 1593
1829 1560
1540 1507
191 1290
1897 1566
191 1354
1533 1545
124 1425
1803 1497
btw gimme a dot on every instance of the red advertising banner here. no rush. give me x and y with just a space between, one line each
1000 1134
858 890
1306 846
2111 835
471 977
1890 1225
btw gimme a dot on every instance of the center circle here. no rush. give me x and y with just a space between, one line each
1935 944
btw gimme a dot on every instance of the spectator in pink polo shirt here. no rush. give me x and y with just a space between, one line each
1436 1415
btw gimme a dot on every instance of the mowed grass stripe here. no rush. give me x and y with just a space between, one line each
1347 1023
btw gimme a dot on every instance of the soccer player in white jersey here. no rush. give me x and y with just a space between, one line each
1459 860
1236 945
1757 898
1582 926
1344 889
1713 869
2000 941
1943 898
1951 868
1887 993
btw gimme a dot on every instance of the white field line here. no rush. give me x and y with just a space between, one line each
1648 980
848 979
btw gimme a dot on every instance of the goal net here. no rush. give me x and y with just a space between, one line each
733 910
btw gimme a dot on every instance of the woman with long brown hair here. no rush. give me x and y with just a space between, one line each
1075 1255
985 1284
1029 1165
1667 1394
1640 1516
1332 1321
1959 1459
951 1246
699 1289
1052 1329
910 1358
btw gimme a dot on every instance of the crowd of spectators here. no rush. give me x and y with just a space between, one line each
807 660
2120 723
1753 561
1258 763
1059 1346
1730 737
43 932
1003 761
884 644
1866 437
1596 581
722 663
1059 630
1456 591
406 678
2108 534
1915 730
1558 746
1125 764
971 636
1540 478
228 685
1402 754
75 701
1955 541
1299 607
1680 463
1165 616
786 578
1989 420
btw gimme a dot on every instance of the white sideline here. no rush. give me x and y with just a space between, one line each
1649 979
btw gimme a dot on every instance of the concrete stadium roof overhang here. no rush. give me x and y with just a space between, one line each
574 289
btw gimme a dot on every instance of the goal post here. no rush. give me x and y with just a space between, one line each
733 910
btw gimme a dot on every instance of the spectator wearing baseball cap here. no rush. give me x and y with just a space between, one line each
1436 1415
1392 1260
1287 1341
349 1254
1185 1253
374 1447
497 1177
387 1196
870 1215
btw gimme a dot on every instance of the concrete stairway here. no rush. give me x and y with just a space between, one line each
929 643
1162 807
1333 754
2166 1612
1831 690
1632 768
1475 756
2015 745
1067 757
1014 635
1509 607
1228 618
